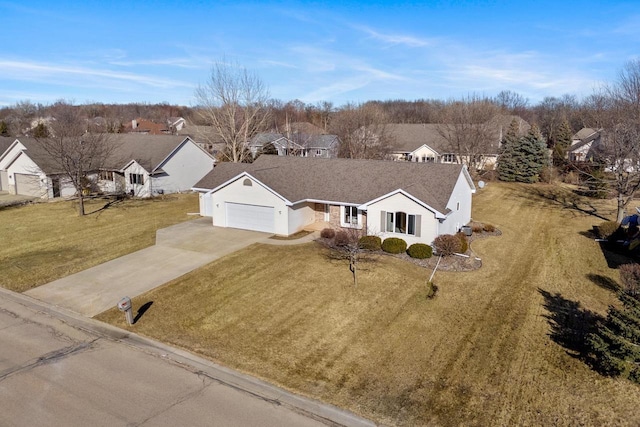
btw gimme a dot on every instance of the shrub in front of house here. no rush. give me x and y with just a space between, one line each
420 251
370 243
489 228
464 243
394 245
477 227
447 244
341 238
607 229
328 233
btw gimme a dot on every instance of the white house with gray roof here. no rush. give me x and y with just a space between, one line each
283 195
141 165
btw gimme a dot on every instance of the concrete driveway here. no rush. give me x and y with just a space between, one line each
178 250
7 199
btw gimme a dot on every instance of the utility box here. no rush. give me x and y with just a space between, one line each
125 305
467 230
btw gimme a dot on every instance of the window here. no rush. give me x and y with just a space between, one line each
247 182
401 222
106 175
448 158
350 215
136 178
318 152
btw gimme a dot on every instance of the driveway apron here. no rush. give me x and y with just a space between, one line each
178 250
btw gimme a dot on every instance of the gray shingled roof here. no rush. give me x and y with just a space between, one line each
148 150
583 133
5 143
409 137
343 180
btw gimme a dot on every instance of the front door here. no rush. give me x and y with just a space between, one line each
55 183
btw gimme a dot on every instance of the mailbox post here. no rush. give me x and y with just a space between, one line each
125 305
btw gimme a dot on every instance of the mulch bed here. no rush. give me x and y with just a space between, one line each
454 263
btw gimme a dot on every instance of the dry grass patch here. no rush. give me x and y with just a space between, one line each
480 353
46 241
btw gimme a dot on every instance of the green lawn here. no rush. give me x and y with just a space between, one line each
46 241
481 353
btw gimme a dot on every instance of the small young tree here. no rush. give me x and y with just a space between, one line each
347 245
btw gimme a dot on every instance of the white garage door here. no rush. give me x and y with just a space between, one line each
250 217
28 185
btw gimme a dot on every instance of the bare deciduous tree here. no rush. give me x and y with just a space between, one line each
75 152
618 114
468 128
234 101
363 132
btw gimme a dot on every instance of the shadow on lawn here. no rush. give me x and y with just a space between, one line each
570 323
604 282
142 310
565 198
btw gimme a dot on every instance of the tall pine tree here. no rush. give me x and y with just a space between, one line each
531 156
507 158
562 141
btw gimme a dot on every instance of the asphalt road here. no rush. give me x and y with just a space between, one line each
57 369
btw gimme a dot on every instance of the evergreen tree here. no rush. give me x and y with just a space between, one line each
4 128
615 346
507 158
562 142
531 156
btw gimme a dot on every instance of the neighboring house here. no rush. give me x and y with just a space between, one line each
154 165
427 143
296 144
5 143
283 195
283 145
205 136
141 165
584 145
147 127
176 123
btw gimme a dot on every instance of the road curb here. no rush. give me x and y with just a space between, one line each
315 409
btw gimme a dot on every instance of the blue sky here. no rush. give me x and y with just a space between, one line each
348 51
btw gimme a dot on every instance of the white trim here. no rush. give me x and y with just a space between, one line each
350 225
438 214
247 174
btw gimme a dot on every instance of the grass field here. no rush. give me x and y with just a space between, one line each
483 352
46 241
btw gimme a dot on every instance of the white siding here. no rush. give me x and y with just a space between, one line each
255 194
183 169
25 166
137 189
424 151
461 215
400 203
206 208
300 216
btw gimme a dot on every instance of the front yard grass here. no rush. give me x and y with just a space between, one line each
43 242
480 353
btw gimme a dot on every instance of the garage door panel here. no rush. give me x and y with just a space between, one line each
28 185
250 217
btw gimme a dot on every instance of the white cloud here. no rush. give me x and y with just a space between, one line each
397 39
43 72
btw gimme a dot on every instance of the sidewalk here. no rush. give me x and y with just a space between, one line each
13 302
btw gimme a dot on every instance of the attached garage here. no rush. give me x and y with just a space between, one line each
28 185
250 217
